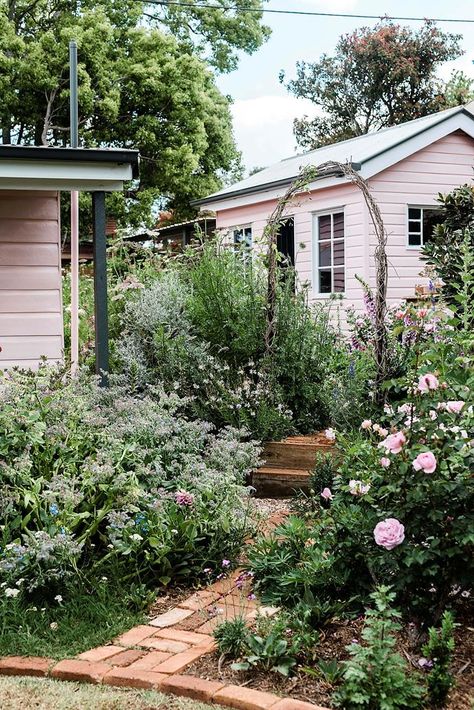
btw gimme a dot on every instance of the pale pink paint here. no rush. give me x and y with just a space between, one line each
31 323
416 180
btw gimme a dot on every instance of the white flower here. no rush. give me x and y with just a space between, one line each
9 592
330 434
53 625
58 598
136 537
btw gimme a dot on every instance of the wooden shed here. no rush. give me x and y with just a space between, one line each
31 179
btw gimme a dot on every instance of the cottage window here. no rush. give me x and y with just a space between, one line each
329 243
243 237
421 222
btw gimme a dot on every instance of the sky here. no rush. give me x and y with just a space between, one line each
263 110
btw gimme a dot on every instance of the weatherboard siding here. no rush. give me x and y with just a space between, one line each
416 180
31 323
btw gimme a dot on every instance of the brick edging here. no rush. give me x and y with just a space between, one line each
98 672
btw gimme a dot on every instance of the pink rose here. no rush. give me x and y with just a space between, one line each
428 382
394 442
425 462
389 533
385 462
455 407
366 424
326 494
358 488
382 432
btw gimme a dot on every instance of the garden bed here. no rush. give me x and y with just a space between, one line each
308 688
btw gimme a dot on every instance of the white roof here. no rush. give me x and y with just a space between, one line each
359 151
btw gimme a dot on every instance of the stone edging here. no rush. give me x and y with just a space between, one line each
154 655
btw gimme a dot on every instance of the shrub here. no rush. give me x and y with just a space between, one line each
439 652
231 637
98 480
376 677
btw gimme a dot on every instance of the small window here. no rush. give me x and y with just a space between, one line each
421 223
329 248
243 237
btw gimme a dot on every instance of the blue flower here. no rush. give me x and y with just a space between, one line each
53 509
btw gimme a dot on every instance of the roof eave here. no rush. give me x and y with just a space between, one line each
84 155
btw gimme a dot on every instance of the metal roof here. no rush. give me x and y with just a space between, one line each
355 150
83 155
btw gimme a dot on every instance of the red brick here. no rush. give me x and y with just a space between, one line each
184 636
133 678
199 600
236 696
189 686
135 635
171 617
125 658
150 660
165 645
175 664
25 665
78 669
289 704
100 653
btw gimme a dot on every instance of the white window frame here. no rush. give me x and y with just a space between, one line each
315 249
417 247
242 228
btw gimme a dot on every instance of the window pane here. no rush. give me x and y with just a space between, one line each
339 225
338 253
238 236
325 254
414 227
324 227
414 240
338 281
430 219
325 281
414 213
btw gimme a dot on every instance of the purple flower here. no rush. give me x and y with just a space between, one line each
184 498
226 563
251 597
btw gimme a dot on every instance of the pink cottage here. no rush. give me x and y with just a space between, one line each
328 235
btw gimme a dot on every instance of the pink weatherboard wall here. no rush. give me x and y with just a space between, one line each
414 181
31 323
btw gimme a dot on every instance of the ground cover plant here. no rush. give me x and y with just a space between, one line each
103 488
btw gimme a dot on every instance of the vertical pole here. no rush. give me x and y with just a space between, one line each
74 118
100 288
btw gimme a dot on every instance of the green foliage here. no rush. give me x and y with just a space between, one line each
450 250
231 637
459 89
139 76
439 650
98 481
269 653
330 671
376 677
378 77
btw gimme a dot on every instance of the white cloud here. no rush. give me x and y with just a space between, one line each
263 127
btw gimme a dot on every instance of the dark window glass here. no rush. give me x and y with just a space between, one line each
430 219
338 253
414 213
414 240
243 236
414 227
325 281
338 225
325 254
338 281
325 227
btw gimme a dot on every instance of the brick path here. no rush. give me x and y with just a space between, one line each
154 655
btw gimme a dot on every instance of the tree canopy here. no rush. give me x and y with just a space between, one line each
145 81
377 77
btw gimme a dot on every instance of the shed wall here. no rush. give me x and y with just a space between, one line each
31 323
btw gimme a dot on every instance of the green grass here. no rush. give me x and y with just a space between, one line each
41 694
84 620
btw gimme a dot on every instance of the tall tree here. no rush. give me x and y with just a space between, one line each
139 86
377 77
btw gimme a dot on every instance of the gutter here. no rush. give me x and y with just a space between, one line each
84 155
266 186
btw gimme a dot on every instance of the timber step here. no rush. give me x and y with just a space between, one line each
279 482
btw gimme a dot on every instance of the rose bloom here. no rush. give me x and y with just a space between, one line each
427 382
455 407
366 424
425 462
326 494
394 442
389 533
358 488
382 432
385 462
